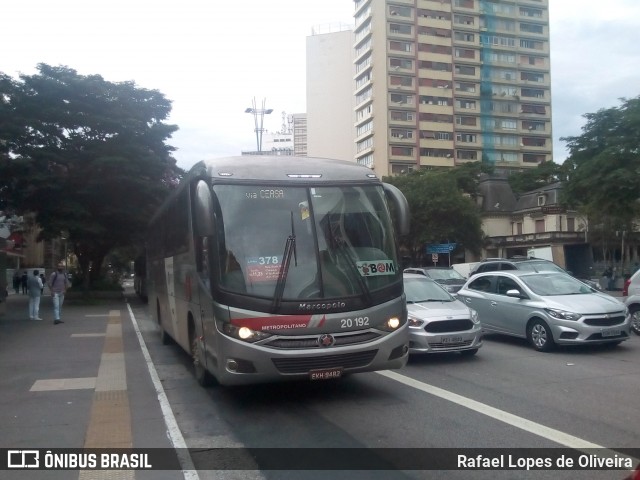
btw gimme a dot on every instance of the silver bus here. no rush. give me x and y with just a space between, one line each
267 268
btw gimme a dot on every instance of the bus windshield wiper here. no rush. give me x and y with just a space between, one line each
289 250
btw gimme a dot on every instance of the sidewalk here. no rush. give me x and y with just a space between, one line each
80 384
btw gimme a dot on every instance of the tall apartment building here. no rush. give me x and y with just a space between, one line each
439 83
330 101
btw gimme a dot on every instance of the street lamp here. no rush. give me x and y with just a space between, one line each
258 112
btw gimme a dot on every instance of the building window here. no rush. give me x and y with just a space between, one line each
535 109
398 11
398 151
397 63
531 28
532 92
402 99
571 224
519 228
533 158
467 154
466 104
532 44
465 87
362 129
435 117
465 70
466 137
400 81
436 152
367 160
437 66
533 142
464 53
468 121
400 46
530 12
464 37
401 133
540 226
402 116
533 126
463 19
401 168
400 28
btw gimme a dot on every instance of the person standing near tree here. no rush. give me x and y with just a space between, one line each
58 284
34 289
23 282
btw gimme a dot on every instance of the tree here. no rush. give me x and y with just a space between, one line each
543 175
87 156
440 210
604 170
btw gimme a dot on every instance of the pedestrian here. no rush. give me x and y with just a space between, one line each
612 280
34 284
16 282
58 284
23 282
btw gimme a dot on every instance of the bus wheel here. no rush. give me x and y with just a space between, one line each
164 336
203 377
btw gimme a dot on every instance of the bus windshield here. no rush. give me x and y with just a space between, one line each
294 243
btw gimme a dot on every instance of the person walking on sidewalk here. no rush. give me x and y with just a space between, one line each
58 284
34 289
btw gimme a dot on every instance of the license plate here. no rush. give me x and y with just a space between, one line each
451 339
325 374
611 333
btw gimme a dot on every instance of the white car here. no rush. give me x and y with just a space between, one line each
633 304
438 322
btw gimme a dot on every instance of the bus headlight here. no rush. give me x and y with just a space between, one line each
392 323
243 333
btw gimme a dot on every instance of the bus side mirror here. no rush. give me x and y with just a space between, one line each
203 215
401 207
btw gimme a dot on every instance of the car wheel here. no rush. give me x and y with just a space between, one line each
635 319
539 335
469 353
203 377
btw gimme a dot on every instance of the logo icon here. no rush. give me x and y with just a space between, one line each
326 340
23 459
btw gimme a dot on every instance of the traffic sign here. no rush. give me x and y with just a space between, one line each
434 257
441 247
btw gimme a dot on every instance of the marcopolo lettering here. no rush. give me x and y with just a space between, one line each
321 306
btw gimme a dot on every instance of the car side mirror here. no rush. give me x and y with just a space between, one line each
515 293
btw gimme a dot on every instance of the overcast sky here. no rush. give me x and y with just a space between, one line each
212 58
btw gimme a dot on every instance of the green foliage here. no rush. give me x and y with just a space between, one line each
86 155
441 210
546 173
604 164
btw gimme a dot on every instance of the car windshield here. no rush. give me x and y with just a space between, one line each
420 290
444 274
539 267
555 284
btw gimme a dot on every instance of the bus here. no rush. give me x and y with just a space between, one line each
267 268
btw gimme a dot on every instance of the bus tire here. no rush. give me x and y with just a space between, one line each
203 377
165 339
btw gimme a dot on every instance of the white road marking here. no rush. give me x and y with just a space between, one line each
514 420
173 431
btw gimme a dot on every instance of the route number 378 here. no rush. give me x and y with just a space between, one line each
354 322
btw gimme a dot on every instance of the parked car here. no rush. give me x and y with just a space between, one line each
450 279
633 304
526 264
632 285
438 322
546 308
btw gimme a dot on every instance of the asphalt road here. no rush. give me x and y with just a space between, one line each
507 396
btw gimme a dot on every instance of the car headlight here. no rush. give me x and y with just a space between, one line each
474 316
562 315
415 322
243 333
